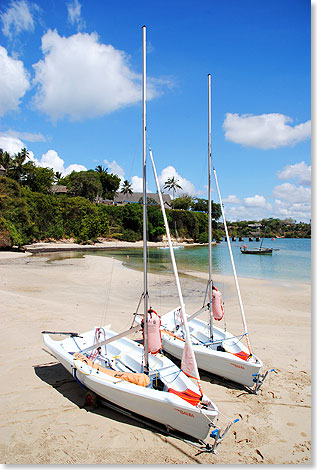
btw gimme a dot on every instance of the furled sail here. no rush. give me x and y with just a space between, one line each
189 364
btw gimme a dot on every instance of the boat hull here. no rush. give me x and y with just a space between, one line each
160 406
222 363
260 251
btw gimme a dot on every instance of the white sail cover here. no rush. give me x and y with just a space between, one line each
189 364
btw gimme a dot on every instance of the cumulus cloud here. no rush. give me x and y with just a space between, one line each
74 14
292 193
137 184
81 78
232 199
115 168
14 82
300 211
17 18
300 171
186 185
255 201
51 159
11 144
265 131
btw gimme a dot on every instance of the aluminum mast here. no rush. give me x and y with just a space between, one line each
145 292
210 283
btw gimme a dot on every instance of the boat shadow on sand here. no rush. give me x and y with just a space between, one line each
55 375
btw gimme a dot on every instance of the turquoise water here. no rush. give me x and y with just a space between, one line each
291 259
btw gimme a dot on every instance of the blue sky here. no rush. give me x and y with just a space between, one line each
70 92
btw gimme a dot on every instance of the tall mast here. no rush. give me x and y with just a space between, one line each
145 292
209 210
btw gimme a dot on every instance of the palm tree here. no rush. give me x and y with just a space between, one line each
101 169
57 176
5 160
171 184
126 187
18 163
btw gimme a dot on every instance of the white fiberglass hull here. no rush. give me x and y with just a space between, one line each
125 355
223 363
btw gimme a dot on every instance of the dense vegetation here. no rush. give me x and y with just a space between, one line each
270 227
28 216
30 212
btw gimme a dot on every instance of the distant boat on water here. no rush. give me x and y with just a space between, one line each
256 251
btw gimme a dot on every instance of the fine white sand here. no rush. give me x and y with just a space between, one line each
42 416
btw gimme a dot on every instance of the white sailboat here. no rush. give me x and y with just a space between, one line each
127 374
217 351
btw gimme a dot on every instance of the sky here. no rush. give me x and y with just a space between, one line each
71 93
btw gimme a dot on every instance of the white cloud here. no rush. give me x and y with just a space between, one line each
137 184
243 212
232 199
300 211
292 193
265 131
14 82
114 168
74 14
50 159
255 201
28 136
12 144
81 78
17 18
186 185
300 171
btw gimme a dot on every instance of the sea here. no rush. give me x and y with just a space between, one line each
290 260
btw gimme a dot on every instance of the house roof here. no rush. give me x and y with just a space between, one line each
58 188
135 198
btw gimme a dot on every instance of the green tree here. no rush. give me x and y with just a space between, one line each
38 179
5 160
57 177
171 184
126 187
110 184
18 162
183 202
84 184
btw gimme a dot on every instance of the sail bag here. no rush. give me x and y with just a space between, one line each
154 333
217 304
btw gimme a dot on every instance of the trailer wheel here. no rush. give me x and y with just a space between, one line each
91 400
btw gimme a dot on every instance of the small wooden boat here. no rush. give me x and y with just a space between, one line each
256 251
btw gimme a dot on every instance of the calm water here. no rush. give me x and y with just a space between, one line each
291 259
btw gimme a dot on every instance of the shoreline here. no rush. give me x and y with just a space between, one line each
47 247
107 245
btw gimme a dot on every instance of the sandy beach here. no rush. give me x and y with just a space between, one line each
43 420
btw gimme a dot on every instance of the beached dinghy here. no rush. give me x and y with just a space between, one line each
116 374
217 351
137 377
